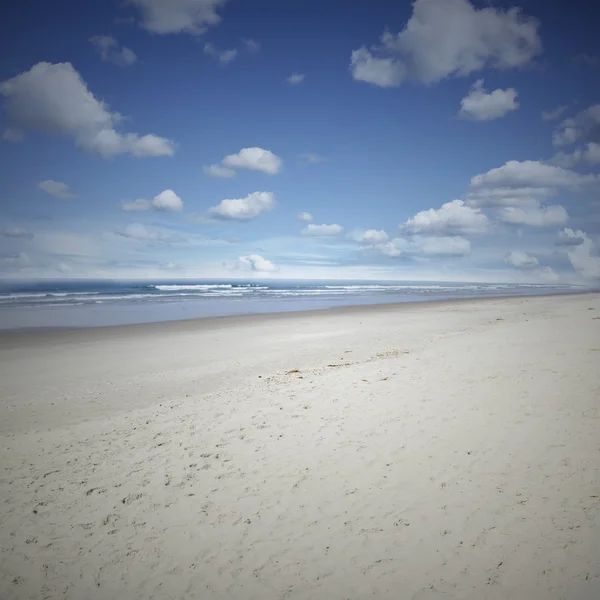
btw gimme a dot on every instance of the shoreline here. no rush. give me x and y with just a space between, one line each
233 319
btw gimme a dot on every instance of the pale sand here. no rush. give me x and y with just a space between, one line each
445 450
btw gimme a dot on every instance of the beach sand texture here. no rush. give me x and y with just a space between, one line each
440 450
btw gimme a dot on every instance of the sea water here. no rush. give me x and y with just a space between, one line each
88 303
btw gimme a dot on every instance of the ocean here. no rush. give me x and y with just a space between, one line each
88 303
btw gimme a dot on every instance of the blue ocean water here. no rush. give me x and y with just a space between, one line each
79 303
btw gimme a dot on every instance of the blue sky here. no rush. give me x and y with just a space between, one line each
438 139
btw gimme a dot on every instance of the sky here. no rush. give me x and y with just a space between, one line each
447 140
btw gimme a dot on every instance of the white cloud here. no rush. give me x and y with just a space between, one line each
390 249
566 160
442 246
64 268
304 216
251 45
252 262
589 154
16 232
53 98
530 264
243 209
254 159
218 171
479 105
142 233
13 135
370 236
146 145
446 38
380 71
525 184
548 216
109 51
506 196
551 115
423 247
322 230
583 256
223 56
56 189
521 260
569 237
584 126
313 158
178 16
296 78
166 201
452 218
532 174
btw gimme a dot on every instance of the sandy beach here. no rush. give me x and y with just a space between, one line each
439 450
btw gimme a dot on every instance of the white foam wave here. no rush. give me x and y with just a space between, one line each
175 288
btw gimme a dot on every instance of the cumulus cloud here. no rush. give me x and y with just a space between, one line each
552 115
243 209
110 51
16 232
166 201
53 98
448 38
569 237
178 16
296 78
382 71
584 126
521 260
582 253
370 236
218 171
223 56
56 189
452 218
252 262
548 216
524 184
391 249
566 160
589 154
531 173
322 230
506 196
479 105
304 216
253 159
